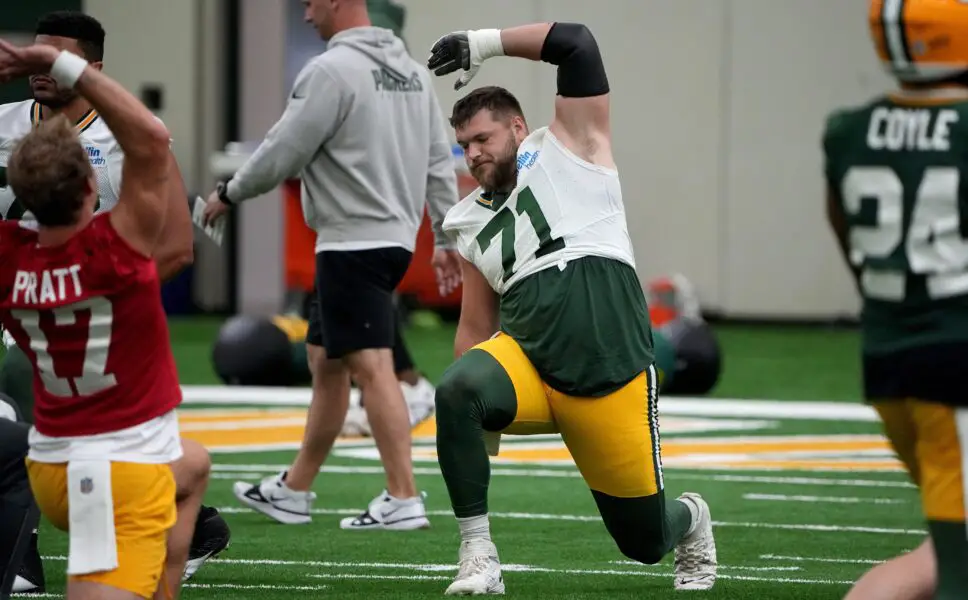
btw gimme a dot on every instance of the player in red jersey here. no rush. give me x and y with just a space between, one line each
81 295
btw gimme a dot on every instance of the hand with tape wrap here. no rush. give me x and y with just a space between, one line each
465 50
22 61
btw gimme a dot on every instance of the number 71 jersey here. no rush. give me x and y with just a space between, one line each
899 166
562 208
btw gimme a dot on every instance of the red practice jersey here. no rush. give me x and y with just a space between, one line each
88 314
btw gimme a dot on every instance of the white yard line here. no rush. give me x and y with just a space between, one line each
375 576
801 480
720 567
509 568
823 499
597 519
255 586
818 559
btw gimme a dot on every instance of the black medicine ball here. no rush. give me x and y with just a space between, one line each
698 357
252 351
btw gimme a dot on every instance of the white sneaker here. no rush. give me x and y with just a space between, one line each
479 570
696 552
272 497
356 423
22 586
420 400
387 512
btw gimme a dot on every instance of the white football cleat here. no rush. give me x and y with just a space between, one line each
479 570
387 512
696 552
420 400
22 586
272 497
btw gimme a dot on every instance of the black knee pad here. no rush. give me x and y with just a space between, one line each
459 383
476 386
642 550
637 525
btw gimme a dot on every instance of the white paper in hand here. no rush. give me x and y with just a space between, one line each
213 231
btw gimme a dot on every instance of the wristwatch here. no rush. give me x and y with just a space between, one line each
221 188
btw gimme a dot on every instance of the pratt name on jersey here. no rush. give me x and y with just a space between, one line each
49 286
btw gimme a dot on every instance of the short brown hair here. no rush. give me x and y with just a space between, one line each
49 172
493 98
75 25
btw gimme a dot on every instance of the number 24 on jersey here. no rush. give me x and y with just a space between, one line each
932 242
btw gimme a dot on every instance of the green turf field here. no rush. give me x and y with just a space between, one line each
804 492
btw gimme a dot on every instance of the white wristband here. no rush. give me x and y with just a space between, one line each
484 44
67 69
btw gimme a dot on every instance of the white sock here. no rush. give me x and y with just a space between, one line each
474 528
404 501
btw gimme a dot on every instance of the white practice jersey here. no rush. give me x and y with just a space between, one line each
563 208
104 152
16 120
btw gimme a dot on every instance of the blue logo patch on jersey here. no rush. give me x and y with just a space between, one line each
94 154
526 160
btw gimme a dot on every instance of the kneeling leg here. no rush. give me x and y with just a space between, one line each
474 395
614 440
645 528
491 388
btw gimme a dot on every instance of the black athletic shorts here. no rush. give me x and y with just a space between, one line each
930 373
353 305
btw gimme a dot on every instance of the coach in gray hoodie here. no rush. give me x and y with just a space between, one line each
364 131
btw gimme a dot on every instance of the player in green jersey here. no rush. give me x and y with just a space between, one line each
548 264
897 200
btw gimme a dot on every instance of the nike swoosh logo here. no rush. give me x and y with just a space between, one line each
390 513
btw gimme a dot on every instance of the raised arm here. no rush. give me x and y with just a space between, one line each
176 246
582 104
142 200
142 204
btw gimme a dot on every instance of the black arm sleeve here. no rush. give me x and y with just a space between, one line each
573 48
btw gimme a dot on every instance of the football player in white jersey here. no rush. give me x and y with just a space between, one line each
548 264
83 35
